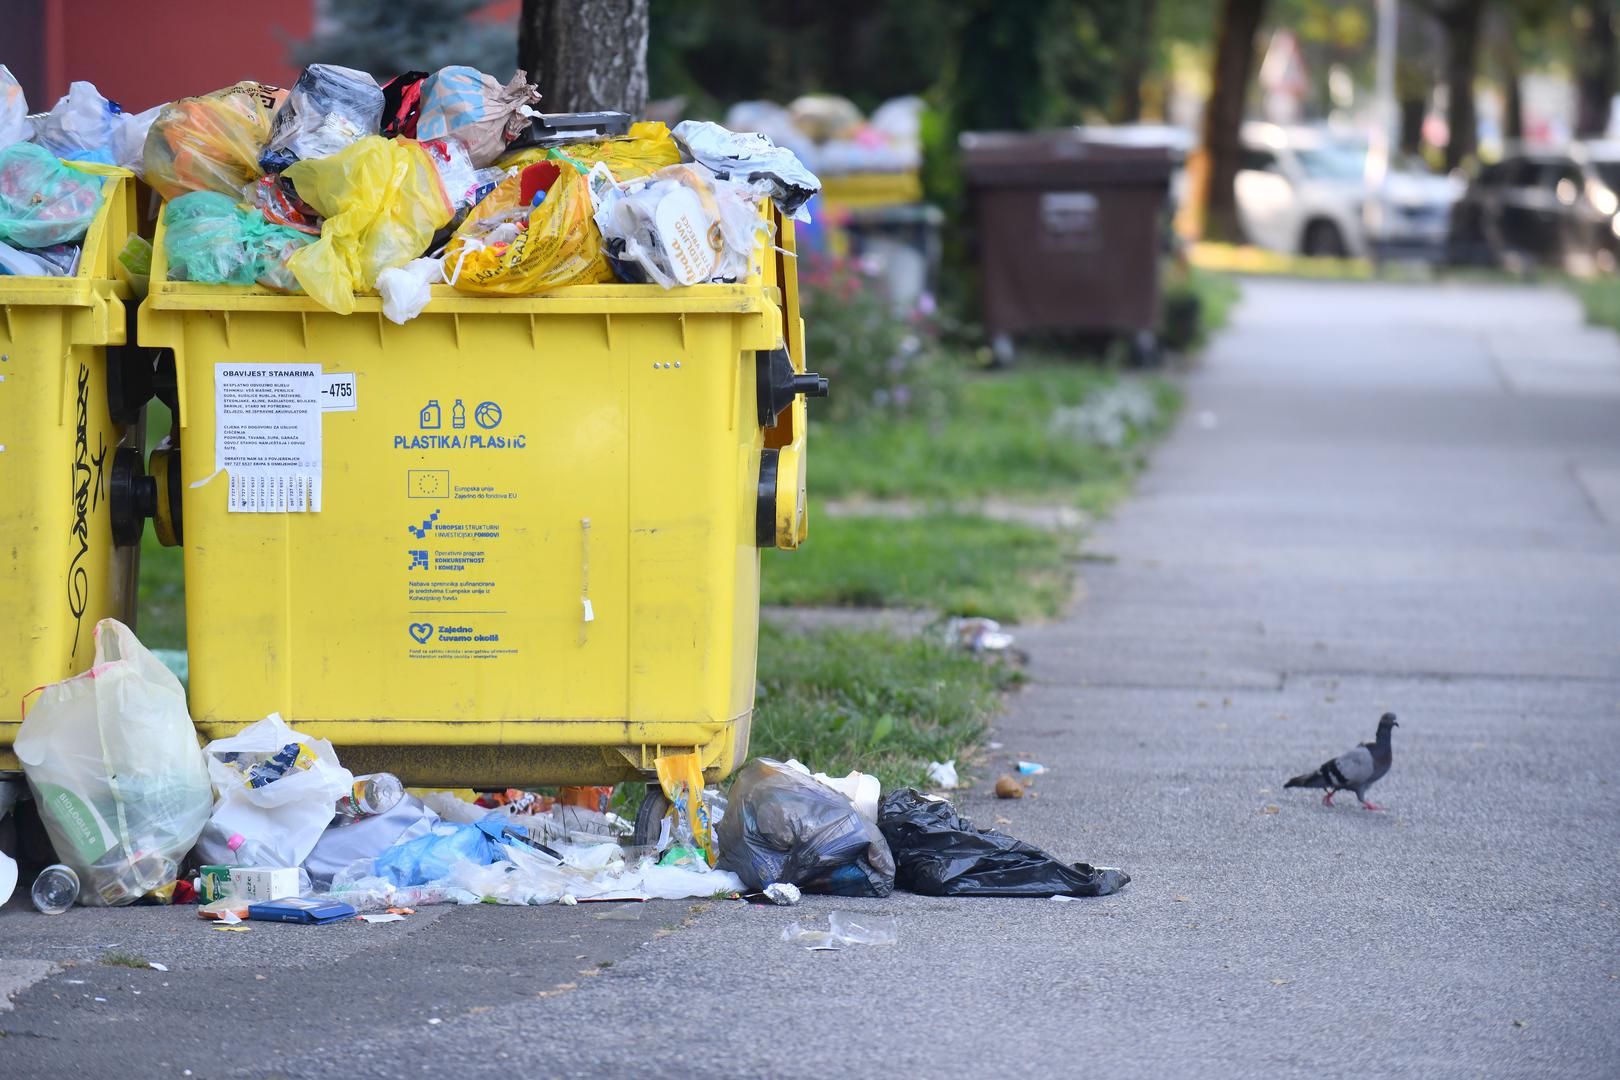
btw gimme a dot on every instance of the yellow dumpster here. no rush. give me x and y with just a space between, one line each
511 542
64 434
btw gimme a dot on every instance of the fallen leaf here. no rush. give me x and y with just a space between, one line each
1265 791
1271 809
1003 821
1202 704
1183 899
1281 982
258 978
233 929
1520 1023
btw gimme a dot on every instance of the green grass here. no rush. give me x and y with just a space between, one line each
161 618
994 438
1217 294
1601 296
118 958
873 701
958 565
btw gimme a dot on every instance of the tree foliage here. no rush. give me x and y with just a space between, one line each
389 37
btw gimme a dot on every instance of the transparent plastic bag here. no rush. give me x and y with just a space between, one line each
210 143
277 788
511 246
211 240
14 126
382 201
328 109
114 765
477 110
678 226
42 201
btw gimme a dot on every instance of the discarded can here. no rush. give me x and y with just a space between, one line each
56 888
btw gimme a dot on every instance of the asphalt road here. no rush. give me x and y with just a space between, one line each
1380 498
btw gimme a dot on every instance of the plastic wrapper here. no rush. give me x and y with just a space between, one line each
402 104
429 858
14 126
646 148
512 246
406 290
678 226
276 788
472 106
328 109
843 928
42 201
782 826
749 157
456 171
367 838
278 201
84 126
939 853
210 143
382 201
60 260
681 777
114 766
209 239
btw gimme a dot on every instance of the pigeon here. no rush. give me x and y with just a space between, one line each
1355 771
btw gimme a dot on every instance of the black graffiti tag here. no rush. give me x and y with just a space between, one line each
87 482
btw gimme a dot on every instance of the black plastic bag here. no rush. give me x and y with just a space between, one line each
781 825
939 853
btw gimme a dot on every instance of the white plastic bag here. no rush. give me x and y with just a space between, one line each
13 109
677 226
407 289
114 765
276 787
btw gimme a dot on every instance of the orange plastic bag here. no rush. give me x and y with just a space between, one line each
503 250
210 143
382 201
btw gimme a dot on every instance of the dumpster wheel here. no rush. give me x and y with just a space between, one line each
650 817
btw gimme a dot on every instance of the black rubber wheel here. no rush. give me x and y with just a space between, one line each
650 817
1323 238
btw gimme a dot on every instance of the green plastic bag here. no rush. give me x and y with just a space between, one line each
42 201
210 239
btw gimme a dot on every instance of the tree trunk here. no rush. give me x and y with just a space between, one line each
1223 116
1461 20
1506 48
1595 69
1413 112
586 55
1134 68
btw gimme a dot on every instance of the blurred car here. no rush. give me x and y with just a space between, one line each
1553 208
1304 190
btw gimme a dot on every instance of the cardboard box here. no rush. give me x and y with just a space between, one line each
260 883
213 883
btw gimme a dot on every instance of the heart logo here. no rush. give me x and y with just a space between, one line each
421 631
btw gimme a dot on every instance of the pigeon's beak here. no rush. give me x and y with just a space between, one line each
1394 723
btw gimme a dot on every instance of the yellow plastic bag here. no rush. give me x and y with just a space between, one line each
382 201
210 143
501 251
645 149
681 777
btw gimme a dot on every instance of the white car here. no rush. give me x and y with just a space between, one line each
1305 191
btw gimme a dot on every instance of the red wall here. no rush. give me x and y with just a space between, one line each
142 53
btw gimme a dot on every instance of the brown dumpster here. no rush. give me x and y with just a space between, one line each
1071 234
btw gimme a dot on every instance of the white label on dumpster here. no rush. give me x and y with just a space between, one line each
337 392
267 436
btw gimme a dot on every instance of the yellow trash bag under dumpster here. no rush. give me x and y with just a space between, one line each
382 201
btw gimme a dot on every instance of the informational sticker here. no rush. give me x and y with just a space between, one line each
268 436
337 392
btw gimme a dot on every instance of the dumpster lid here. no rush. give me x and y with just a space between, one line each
1065 155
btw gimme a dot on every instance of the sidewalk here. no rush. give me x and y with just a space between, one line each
1380 497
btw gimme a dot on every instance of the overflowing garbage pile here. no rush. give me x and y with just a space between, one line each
342 185
830 135
267 824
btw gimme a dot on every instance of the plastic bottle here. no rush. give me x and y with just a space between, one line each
458 415
371 795
55 890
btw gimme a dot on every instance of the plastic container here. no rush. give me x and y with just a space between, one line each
555 592
69 436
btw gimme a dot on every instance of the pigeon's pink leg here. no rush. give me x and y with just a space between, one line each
1327 800
1371 806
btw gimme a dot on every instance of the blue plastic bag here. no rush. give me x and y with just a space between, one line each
429 858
